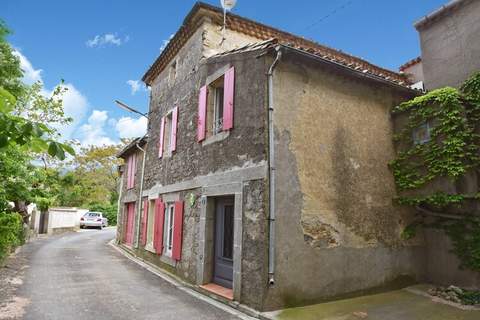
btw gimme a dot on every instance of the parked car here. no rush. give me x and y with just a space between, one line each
93 219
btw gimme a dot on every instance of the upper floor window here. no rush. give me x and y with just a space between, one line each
215 107
131 170
168 133
421 134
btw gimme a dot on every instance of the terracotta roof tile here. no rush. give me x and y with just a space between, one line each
263 32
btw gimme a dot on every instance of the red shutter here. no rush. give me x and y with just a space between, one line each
145 222
173 139
177 231
158 227
228 96
160 141
134 169
202 113
129 171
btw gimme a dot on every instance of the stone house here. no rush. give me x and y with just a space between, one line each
450 54
264 176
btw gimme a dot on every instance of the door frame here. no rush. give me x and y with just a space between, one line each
206 233
219 232
129 225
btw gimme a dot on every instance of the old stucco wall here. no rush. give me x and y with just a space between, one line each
337 230
451 46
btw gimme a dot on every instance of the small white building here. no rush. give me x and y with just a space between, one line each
56 220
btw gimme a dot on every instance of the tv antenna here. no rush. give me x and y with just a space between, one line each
227 5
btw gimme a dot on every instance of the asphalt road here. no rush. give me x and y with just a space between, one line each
79 276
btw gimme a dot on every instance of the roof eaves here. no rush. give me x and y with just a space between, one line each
439 13
362 73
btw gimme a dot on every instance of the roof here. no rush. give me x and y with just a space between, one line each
131 145
410 63
262 32
271 44
439 13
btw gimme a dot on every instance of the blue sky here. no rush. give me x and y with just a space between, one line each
99 45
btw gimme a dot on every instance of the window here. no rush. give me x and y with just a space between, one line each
150 226
215 106
172 75
168 231
168 133
421 134
131 168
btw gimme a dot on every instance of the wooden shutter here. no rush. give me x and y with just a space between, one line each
177 231
228 96
202 113
145 222
129 171
173 139
134 170
160 141
158 227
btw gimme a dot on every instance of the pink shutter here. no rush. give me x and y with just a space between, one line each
173 139
160 141
177 231
228 96
145 222
158 227
134 169
202 113
129 171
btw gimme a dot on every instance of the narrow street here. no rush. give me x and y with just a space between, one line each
79 276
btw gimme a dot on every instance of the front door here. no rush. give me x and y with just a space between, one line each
129 223
224 217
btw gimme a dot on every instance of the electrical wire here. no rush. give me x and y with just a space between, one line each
333 12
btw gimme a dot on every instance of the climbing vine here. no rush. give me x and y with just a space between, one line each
448 151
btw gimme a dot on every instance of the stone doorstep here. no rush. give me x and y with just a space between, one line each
247 312
218 290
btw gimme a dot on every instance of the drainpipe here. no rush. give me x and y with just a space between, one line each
140 196
271 172
120 208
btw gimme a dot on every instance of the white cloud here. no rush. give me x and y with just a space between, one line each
136 85
130 128
106 39
30 74
166 42
93 132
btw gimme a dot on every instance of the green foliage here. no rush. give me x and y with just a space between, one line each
109 211
11 233
452 152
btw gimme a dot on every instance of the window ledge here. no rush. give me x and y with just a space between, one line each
216 138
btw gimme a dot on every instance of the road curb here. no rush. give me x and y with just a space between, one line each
236 309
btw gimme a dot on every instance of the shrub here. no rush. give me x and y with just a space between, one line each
11 233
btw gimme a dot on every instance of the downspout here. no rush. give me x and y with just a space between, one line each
140 196
271 172
120 209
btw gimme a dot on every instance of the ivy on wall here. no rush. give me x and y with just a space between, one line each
452 151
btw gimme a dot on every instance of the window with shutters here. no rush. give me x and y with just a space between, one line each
131 168
150 226
167 139
215 109
168 133
168 229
